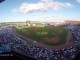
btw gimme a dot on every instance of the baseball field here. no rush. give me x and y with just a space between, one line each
49 35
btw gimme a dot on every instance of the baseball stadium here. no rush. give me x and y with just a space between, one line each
51 36
39 30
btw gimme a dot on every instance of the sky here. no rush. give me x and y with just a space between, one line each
39 10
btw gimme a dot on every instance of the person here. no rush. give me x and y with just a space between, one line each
77 57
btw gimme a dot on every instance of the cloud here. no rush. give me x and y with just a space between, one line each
78 1
42 6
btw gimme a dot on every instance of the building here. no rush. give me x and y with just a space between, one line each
72 22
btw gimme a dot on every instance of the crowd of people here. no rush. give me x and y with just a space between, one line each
26 48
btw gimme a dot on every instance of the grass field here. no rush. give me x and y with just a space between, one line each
52 35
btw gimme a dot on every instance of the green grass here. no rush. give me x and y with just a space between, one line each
38 33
